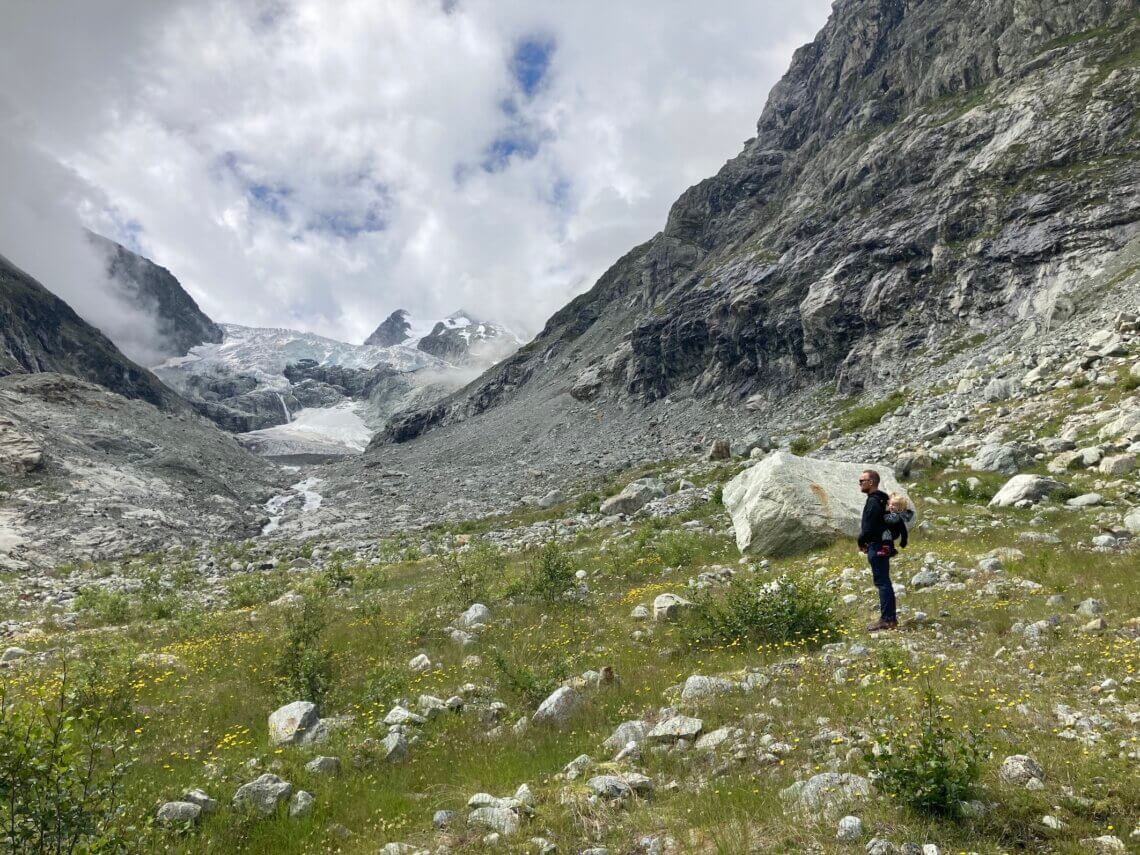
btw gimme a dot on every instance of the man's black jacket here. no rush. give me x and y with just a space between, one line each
874 523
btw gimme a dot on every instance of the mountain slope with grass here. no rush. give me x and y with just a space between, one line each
559 679
534 618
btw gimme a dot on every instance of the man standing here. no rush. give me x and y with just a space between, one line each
878 556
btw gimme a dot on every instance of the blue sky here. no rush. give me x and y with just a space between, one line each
295 167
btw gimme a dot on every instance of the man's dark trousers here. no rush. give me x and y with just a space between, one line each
881 573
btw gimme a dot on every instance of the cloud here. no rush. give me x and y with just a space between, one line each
43 235
313 165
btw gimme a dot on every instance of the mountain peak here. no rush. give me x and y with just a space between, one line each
394 330
181 324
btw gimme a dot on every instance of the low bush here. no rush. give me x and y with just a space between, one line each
248 589
550 572
794 607
971 490
304 664
678 548
532 686
61 764
858 418
801 445
476 574
932 767
103 607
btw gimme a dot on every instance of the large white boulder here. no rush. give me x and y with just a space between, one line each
787 504
1024 488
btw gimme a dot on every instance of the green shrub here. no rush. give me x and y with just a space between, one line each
157 600
476 574
858 418
801 445
587 503
1063 493
964 491
550 573
102 606
533 687
794 607
60 764
678 548
253 589
387 684
337 576
304 664
931 770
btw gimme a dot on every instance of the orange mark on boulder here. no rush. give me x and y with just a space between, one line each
821 496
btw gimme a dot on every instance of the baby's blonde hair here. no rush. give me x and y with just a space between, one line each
900 501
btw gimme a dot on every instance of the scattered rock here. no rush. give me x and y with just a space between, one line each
558 708
697 687
301 804
634 497
1024 488
262 795
178 813
828 791
668 607
1020 769
850 829
323 766
675 728
288 724
1106 844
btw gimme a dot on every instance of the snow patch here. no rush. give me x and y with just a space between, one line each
341 425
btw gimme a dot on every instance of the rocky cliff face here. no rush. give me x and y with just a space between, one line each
394 330
924 170
182 325
40 332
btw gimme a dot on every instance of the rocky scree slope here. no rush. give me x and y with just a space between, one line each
40 332
181 324
923 167
87 474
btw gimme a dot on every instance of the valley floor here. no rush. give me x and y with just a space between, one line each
1010 661
553 679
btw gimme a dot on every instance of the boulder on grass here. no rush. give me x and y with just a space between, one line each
787 504
634 497
1025 488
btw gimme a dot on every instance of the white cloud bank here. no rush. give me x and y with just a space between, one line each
316 164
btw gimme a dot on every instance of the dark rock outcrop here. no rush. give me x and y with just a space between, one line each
40 333
923 169
181 324
392 331
351 382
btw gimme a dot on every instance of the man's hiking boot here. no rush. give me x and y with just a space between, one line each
880 625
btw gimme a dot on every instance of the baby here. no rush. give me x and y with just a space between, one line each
899 515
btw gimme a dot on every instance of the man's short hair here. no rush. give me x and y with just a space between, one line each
873 475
